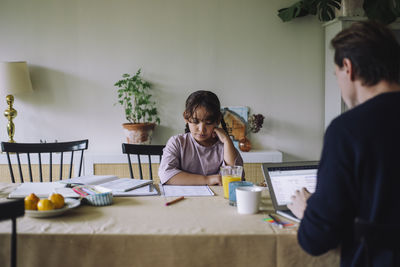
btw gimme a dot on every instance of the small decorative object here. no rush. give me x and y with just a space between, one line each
140 111
254 124
235 118
245 144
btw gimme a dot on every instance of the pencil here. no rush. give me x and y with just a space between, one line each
174 201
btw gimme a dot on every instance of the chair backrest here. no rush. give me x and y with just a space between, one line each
376 238
44 148
10 210
145 150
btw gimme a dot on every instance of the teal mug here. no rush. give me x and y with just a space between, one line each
232 190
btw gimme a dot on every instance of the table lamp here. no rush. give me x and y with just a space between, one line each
14 79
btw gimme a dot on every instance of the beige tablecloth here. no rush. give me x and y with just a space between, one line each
142 231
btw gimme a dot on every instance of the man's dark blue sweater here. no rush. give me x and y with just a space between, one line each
358 176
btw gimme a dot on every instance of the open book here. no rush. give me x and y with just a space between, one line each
119 186
109 181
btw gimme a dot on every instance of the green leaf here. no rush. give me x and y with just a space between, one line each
395 7
384 11
294 11
325 8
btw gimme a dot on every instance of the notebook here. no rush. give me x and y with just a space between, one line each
283 179
186 190
109 181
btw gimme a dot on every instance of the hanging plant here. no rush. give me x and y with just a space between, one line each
385 11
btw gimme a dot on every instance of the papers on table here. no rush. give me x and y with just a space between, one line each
148 190
42 190
186 190
90 179
110 182
125 184
119 187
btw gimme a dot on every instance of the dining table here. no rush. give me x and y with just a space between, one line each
143 231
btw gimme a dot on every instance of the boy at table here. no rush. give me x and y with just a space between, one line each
359 174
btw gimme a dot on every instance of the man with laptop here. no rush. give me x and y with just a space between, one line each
359 171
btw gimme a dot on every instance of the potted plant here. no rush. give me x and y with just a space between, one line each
385 11
140 111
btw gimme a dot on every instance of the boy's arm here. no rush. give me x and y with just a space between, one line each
230 153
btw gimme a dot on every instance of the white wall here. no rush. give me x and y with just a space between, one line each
77 49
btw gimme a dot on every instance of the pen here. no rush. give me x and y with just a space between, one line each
277 220
174 201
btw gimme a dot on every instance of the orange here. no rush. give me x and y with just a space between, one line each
45 204
31 202
58 200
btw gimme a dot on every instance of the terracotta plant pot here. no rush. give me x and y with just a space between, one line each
138 133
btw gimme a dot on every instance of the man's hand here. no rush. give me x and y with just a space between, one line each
299 202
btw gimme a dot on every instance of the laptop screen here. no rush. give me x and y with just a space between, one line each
283 179
286 182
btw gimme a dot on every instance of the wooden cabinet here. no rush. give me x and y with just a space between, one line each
118 165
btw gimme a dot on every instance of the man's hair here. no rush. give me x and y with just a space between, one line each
372 49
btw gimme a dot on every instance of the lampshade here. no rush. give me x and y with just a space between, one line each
14 78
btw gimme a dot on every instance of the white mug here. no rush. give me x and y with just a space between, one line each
248 199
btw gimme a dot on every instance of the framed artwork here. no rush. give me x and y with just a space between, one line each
236 120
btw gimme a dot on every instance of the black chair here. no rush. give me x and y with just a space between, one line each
44 148
11 209
376 238
149 150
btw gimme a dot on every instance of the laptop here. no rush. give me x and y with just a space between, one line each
283 179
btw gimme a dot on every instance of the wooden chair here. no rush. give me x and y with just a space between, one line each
11 209
149 150
376 238
44 148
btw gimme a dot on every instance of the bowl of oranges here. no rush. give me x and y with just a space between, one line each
52 206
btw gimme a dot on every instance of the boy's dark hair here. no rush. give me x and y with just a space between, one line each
209 101
372 49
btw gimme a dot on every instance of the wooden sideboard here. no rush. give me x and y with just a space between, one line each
118 165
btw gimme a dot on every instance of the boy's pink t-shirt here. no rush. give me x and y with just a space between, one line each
183 153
